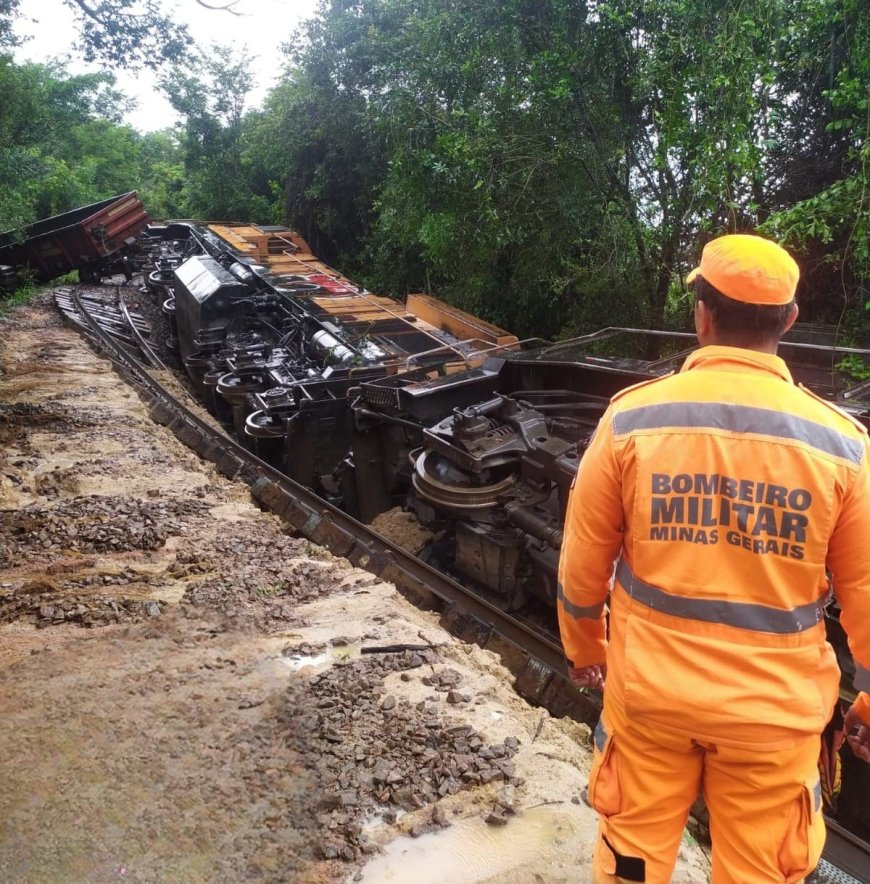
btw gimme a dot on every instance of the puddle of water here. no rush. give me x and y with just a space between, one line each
294 664
376 819
470 850
340 654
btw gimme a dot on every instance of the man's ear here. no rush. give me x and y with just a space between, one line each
792 316
703 322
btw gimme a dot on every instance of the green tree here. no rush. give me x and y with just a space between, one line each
53 133
316 158
443 129
557 165
824 204
123 33
8 10
161 174
209 92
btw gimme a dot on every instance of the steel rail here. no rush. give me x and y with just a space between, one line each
144 345
846 858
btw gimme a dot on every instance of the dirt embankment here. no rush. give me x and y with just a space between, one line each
187 693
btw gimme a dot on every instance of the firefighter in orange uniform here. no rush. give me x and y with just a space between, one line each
724 494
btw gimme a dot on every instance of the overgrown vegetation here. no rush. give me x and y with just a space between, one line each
27 290
552 165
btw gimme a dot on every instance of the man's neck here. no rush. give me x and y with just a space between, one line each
769 347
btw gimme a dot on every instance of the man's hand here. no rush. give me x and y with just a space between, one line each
591 676
860 741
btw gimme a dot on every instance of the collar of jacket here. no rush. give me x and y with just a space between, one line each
737 359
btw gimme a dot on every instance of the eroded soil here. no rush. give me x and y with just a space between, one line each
188 693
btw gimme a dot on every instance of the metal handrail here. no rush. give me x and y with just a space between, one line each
495 347
415 356
467 357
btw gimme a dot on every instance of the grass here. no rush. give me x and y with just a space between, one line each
29 290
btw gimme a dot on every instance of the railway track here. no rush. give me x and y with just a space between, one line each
123 336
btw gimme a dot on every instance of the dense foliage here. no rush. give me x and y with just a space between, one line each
118 33
62 146
556 164
550 164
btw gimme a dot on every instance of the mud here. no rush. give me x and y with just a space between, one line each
188 693
403 529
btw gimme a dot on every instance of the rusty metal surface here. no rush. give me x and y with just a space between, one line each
56 245
401 330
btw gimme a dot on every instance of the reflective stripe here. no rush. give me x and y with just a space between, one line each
578 612
862 678
600 735
742 615
817 796
738 419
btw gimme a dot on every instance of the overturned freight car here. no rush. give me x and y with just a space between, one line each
275 339
96 240
375 404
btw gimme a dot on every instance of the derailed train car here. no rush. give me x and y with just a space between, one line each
376 404
95 240
275 340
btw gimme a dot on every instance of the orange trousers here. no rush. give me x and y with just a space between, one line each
765 807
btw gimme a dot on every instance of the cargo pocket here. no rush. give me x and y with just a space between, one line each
805 834
605 793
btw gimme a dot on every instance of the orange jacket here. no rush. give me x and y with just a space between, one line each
725 492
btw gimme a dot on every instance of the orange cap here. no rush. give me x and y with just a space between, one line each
749 269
